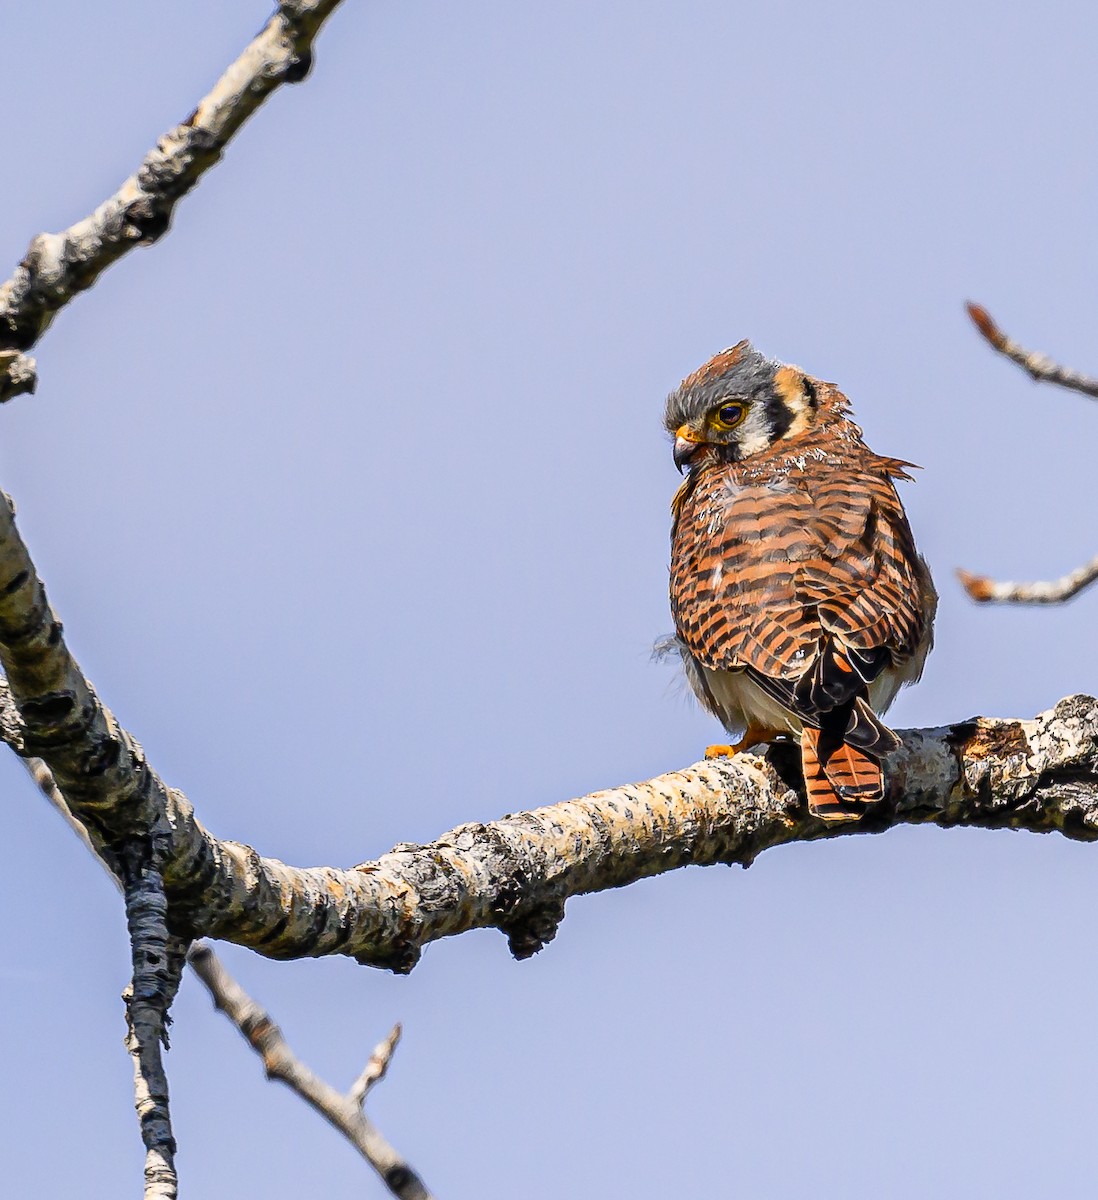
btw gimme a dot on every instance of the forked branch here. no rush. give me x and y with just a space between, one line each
342 1110
146 1026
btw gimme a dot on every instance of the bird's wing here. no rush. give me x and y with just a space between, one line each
811 584
738 549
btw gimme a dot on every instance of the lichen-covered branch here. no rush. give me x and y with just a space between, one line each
59 265
341 1110
1039 366
514 874
1054 591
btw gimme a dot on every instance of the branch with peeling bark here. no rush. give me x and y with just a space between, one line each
59 265
982 588
342 1110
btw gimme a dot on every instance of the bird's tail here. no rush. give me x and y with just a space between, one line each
841 780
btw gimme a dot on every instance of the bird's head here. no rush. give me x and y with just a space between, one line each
738 404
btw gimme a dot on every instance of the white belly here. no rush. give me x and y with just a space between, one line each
741 702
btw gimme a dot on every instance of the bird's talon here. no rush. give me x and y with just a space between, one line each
721 751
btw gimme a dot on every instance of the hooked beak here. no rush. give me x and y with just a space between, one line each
687 444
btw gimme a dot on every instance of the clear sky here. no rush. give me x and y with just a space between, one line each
352 495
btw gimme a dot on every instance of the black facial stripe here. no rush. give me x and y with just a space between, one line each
810 392
778 415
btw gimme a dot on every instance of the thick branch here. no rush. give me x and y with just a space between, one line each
514 874
1038 366
341 1110
1055 591
59 265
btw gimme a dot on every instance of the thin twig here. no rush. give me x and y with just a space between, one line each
341 1110
1038 366
1054 591
47 785
376 1066
57 266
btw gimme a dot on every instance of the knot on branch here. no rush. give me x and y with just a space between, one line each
298 67
399 956
528 927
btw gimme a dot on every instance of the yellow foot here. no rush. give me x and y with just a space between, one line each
755 735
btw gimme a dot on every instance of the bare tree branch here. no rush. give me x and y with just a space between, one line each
158 961
377 1066
59 265
156 976
150 1084
1055 591
341 1110
1039 366
982 588
514 874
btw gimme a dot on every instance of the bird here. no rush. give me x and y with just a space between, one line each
800 602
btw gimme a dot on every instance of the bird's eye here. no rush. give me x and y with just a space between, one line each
728 416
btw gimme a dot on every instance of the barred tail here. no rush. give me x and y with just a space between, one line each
841 780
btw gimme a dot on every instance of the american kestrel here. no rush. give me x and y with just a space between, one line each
800 602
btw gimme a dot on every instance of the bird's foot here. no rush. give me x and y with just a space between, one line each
755 735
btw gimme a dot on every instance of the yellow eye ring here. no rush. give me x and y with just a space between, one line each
728 416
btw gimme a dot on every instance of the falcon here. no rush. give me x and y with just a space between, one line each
801 605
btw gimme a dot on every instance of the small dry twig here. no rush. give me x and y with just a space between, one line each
1053 591
378 1065
342 1110
1040 367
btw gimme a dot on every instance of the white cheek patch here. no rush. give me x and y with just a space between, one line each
754 435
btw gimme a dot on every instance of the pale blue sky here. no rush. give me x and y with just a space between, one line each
352 495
